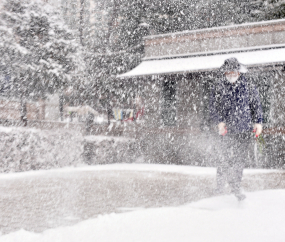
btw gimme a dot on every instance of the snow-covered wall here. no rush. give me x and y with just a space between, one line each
106 150
23 149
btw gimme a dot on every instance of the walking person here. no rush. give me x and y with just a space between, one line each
236 109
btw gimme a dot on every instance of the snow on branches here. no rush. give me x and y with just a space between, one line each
45 51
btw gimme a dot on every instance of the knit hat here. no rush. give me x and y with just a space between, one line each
232 64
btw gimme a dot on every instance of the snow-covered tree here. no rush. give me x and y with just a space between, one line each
269 9
76 14
12 56
51 57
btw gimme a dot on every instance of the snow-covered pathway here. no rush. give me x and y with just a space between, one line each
40 200
221 219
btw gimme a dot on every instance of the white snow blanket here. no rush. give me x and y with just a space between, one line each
259 218
189 170
221 219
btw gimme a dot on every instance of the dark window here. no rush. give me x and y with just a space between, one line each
207 86
169 102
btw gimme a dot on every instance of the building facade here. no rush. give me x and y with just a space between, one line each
175 80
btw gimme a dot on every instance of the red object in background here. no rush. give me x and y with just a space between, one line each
129 119
226 131
140 113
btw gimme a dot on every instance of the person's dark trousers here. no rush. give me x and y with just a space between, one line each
234 154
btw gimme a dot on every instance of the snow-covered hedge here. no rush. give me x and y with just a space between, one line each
23 149
105 150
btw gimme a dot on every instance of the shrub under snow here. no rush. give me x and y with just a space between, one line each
24 149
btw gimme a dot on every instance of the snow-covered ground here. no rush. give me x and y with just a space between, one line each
155 201
259 218
190 170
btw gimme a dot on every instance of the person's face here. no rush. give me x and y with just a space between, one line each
232 74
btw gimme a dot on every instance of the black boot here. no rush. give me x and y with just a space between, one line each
236 191
240 196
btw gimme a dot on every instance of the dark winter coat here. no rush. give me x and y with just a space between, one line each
237 105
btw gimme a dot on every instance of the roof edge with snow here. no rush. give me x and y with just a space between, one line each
264 56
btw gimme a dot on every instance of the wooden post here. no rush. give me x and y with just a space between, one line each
41 109
61 107
23 111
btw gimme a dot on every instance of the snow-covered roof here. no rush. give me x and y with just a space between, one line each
221 28
208 62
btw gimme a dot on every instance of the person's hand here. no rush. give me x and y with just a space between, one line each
222 128
257 129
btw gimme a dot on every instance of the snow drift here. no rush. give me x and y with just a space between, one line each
259 218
